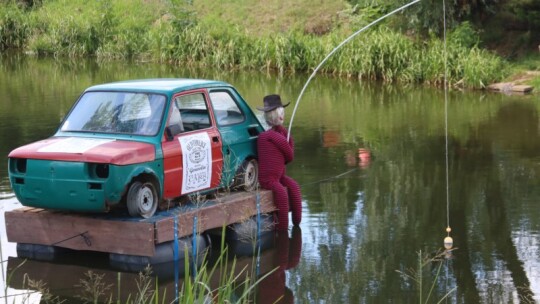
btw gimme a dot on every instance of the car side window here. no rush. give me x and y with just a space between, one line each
193 111
225 108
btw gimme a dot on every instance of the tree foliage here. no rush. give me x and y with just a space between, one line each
511 27
427 16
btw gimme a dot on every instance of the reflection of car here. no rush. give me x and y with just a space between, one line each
140 142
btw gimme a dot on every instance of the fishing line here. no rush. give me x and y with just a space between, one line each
333 51
330 178
448 241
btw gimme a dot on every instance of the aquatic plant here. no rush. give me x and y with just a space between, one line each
93 287
233 285
418 277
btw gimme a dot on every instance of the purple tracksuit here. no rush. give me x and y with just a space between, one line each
274 152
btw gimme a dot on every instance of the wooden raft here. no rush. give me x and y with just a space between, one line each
126 235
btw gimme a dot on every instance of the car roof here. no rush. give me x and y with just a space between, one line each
158 85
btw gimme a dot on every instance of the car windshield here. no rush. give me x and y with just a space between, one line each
116 112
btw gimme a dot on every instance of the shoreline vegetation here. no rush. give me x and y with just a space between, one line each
173 32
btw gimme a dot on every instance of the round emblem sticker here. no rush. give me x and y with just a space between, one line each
197 155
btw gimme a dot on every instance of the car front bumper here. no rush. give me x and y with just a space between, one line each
62 185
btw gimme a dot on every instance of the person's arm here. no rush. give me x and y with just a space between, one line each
284 132
281 143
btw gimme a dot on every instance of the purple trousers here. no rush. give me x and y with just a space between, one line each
287 197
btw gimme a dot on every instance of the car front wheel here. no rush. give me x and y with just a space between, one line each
142 199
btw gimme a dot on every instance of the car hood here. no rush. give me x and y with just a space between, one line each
83 149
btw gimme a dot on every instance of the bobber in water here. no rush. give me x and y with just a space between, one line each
448 241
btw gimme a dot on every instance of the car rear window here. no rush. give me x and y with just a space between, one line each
226 110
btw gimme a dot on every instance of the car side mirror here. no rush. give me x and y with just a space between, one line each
171 131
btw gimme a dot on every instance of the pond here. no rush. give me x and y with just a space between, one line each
377 190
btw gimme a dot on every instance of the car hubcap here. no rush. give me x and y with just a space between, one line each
250 172
145 199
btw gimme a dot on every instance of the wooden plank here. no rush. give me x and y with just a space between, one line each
34 210
503 86
233 208
510 87
79 232
522 88
129 236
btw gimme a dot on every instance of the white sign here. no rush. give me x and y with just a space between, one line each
196 161
74 145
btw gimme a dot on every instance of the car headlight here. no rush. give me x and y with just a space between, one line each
99 170
18 165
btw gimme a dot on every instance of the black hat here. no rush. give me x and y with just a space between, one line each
272 102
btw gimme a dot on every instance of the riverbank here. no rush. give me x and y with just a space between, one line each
526 71
180 33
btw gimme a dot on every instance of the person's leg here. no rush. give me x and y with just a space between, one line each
281 199
295 198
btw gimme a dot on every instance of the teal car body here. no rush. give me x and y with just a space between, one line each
138 143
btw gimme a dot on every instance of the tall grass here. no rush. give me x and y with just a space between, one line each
169 32
14 28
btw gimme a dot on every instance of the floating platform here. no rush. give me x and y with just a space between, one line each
121 234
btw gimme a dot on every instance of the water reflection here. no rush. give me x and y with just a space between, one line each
380 219
502 149
273 289
371 162
64 274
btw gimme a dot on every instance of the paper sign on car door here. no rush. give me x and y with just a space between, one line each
197 162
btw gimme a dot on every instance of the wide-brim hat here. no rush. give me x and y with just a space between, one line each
272 102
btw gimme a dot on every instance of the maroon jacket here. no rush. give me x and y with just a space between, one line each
274 152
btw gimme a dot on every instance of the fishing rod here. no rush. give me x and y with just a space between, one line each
335 50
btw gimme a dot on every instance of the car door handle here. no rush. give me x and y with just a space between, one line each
253 131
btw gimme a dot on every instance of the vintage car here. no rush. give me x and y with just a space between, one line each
140 143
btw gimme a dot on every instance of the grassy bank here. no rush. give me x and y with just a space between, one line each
181 33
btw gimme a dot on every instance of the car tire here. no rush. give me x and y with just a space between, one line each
247 177
142 199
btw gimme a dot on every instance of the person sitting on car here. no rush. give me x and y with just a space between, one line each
275 151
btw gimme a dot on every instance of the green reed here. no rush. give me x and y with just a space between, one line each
14 29
169 32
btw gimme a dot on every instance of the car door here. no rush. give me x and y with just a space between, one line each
239 129
193 158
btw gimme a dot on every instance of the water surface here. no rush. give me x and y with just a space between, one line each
365 222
